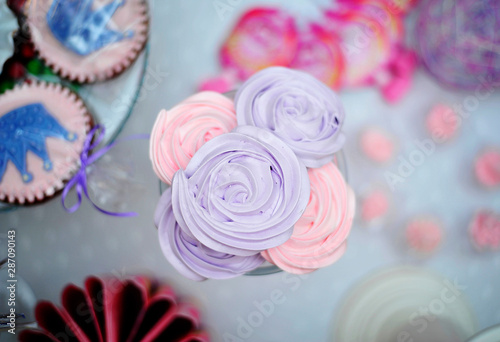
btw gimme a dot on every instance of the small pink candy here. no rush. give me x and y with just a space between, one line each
374 206
485 230
442 121
377 145
218 84
424 235
487 168
396 89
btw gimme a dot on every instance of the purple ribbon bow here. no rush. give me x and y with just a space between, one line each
79 180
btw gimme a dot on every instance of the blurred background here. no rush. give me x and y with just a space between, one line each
419 82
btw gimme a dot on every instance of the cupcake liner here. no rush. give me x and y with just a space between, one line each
128 25
111 309
37 158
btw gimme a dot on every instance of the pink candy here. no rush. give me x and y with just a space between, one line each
319 237
424 235
485 230
442 122
487 168
377 145
179 132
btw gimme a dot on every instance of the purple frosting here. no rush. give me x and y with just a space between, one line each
189 256
297 108
241 193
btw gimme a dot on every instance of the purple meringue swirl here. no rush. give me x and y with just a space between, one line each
241 193
297 108
189 256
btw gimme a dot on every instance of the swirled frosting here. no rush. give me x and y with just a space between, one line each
319 237
297 108
189 256
241 193
179 132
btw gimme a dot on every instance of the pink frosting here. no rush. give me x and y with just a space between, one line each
102 64
377 145
179 132
66 108
487 168
442 121
424 235
374 206
485 230
319 237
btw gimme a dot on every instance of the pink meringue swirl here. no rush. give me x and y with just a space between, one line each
179 132
189 256
241 193
297 108
319 237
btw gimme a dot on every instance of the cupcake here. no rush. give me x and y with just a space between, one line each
111 309
42 132
85 40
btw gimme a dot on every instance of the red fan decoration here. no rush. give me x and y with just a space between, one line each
110 309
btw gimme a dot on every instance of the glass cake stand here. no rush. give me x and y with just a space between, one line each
268 268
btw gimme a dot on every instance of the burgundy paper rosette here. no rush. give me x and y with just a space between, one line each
110 309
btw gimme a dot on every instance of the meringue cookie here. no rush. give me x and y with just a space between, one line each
179 132
297 108
319 237
189 256
241 193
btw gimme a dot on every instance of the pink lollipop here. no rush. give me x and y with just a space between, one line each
319 54
263 37
485 230
487 168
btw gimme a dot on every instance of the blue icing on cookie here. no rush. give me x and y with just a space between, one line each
25 129
80 28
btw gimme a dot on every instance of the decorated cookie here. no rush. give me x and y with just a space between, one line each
42 130
88 40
